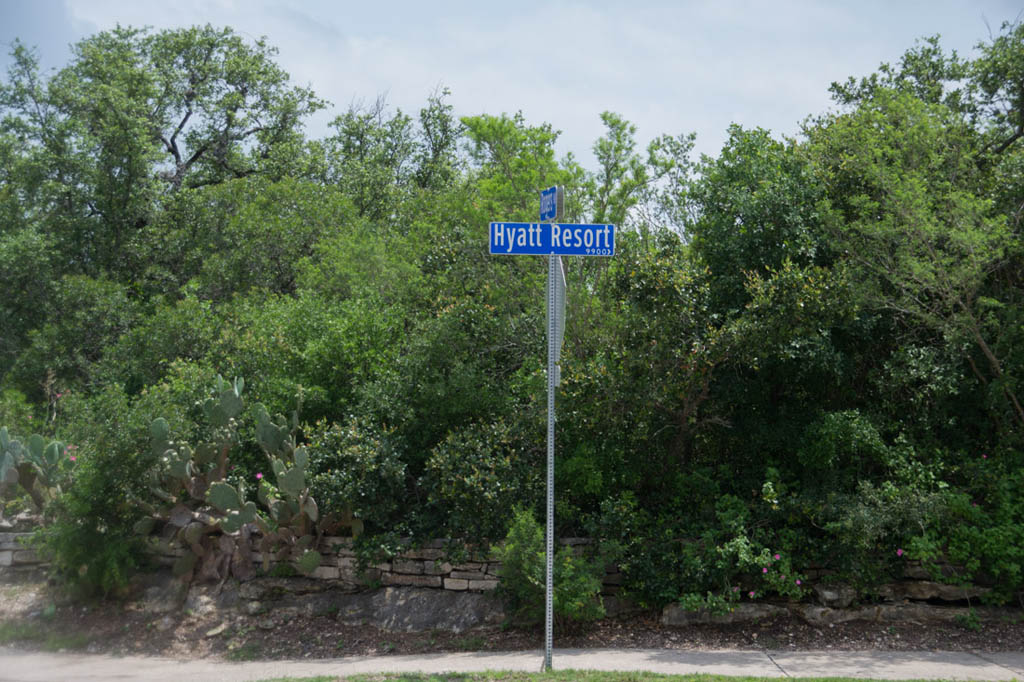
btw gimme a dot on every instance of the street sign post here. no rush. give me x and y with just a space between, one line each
553 239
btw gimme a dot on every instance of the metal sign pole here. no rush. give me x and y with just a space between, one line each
554 240
554 270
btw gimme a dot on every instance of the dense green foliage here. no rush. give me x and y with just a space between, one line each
806 355
576 584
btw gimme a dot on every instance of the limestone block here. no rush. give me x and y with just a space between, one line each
823 615
338 546
923 590
436 568
13 540
370 575
25 556
326 573
482 585
414 580
407 566
6 558
412 609
469 566
916 613
469 575
455 584
835 595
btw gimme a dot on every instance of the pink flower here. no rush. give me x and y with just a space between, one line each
751 593
259 475
983 456
777 557
798 581
783 577
73 458
764 570
899 552
735 589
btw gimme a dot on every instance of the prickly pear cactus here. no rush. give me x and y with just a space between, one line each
291 531
198 510
10 456
210 519
35 465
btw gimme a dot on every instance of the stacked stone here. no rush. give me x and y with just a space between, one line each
14 553
421 567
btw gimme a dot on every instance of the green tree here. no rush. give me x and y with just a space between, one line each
901 172
138 114
755 206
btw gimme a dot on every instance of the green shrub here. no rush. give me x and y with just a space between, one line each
92 543
17 414
986 539
577 582
357 467
864 531
840 448
86 316
476 476
708 565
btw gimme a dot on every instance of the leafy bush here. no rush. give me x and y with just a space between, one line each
577 582
92 543
722 561
87 315
476 476
865 530
841 447
987 538
357 468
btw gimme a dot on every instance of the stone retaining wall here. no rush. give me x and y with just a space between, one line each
426 566
423 566
15 554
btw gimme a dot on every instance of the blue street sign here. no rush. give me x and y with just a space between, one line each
561 239
549 204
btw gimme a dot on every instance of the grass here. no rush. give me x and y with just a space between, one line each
555 676
18 632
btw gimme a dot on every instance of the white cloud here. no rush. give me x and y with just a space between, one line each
669 67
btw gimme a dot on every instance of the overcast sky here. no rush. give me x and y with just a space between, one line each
669 67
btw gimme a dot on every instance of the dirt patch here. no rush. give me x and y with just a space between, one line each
126 628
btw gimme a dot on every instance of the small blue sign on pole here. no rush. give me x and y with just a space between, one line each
551 204
552 239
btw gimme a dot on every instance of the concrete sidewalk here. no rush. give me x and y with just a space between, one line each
17 666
